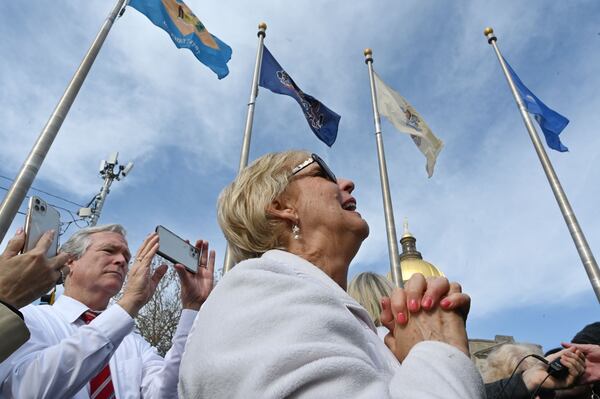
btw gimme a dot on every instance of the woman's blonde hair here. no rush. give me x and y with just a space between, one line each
368 289
501 362
242 206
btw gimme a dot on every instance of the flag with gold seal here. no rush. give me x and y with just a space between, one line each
187 31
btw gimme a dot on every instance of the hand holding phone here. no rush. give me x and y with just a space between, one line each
41 218
176 250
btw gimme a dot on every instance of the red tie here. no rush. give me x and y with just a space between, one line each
101 386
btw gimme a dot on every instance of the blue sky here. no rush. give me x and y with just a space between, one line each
487 218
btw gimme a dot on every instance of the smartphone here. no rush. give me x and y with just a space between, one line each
40 218
176 250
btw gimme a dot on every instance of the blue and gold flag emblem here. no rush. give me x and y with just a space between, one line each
186 31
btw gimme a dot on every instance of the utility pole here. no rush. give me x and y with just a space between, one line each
110 170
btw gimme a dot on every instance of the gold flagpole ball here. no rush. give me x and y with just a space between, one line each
488 31
262 26
368 52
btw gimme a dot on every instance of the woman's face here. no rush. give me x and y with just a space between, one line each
324 207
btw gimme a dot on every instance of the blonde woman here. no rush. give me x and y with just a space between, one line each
281 324
368 289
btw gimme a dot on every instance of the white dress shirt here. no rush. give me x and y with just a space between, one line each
64 354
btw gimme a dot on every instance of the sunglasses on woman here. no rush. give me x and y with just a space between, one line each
315 158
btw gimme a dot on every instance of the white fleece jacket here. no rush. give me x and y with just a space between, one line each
278 327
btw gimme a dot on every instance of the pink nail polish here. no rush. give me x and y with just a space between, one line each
401 318
413 305
427 303
20 231
445 303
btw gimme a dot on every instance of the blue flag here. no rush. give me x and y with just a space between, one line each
323 121
551 122
186 31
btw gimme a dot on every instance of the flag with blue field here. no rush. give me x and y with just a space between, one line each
322 121
186 31
551 122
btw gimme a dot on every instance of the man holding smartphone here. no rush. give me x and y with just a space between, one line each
81 347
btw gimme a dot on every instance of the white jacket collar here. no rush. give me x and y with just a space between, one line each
303 267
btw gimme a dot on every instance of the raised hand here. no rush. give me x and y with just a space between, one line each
572 358
26 277
592 361
141 281
195 288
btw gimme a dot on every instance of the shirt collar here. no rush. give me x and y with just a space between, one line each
70 309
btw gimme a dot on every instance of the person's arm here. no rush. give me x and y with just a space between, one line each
13 331
514 388
42 368
160 376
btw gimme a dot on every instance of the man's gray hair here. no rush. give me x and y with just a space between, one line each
79 242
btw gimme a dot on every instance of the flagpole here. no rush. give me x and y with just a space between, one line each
262 28
385 186
585 253
20 186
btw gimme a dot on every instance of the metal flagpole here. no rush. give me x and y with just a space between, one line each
18 190
262 28
385 186
585 253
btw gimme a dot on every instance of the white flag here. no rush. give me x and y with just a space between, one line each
407 120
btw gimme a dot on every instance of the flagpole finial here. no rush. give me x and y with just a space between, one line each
368 55
262 28
489 33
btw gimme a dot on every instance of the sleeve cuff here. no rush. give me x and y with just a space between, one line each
115 323
186 321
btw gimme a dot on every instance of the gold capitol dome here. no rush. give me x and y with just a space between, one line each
411 260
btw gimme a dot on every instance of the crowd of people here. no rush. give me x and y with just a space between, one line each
284 322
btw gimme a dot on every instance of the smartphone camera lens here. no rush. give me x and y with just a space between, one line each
36 207
37 201
43 208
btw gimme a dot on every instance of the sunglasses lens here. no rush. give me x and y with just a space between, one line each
325 168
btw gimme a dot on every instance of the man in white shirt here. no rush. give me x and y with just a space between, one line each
73 353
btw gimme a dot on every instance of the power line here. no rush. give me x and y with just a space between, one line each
47 193
66 224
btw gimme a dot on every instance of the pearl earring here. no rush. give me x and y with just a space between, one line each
296 232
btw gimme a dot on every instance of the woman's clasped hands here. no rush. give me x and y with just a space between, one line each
430 309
